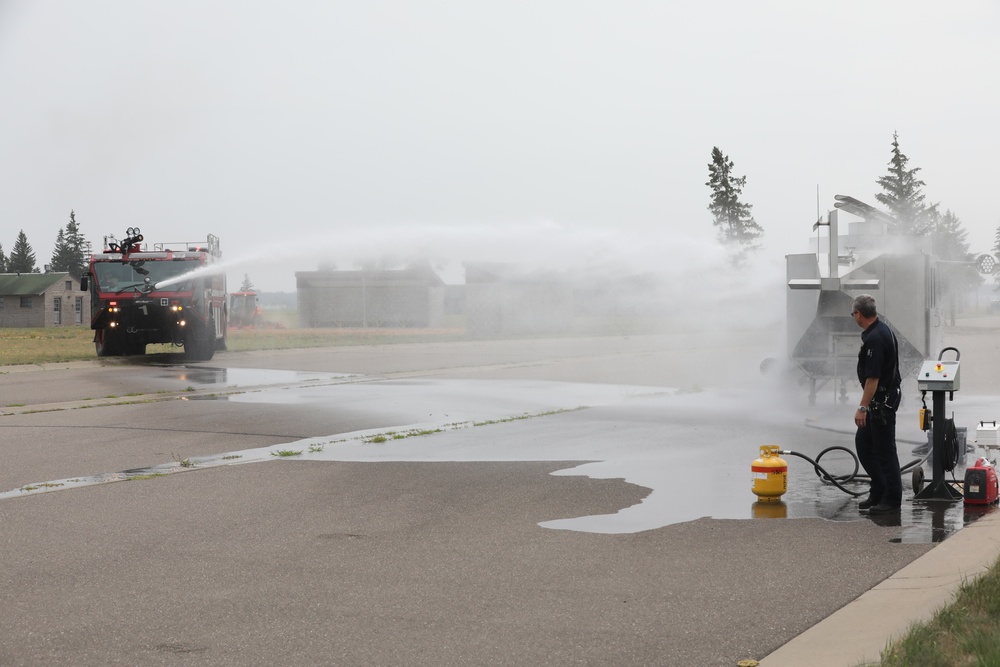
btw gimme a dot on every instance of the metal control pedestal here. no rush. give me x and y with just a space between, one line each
939 377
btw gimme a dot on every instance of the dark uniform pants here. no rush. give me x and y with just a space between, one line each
876 446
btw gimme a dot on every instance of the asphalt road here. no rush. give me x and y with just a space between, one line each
325 562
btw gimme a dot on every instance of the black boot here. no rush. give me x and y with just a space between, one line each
867 503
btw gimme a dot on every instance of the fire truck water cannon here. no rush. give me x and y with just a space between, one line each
132 238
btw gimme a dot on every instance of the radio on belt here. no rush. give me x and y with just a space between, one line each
938 375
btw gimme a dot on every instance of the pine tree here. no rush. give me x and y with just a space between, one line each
69 253
22 257
948 237
76 247
3 259
247 285
60 258
902 195
956 276
734 220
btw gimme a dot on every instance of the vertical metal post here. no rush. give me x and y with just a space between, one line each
938 488
834 243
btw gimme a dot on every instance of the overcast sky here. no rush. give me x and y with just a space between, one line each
565 130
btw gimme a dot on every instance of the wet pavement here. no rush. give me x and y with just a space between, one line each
691 450
493 503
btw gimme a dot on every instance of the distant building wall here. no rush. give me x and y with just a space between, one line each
404 298
18 311
500 301
518 308
42 300
66 305
454 300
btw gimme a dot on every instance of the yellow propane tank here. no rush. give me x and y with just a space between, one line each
770 474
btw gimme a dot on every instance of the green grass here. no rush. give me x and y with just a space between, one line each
64 344
140 478
965 633
38 346
286 452
41 485
184 463
76 343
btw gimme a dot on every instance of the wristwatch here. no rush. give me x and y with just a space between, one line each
863 408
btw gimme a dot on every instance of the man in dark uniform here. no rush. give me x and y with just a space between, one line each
878 372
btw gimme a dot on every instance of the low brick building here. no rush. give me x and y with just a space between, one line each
42 300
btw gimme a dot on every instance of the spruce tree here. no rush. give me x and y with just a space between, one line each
948 237
76 248
69 253
956 275
247 285
22 257
902 195
737 229
60 256
3 260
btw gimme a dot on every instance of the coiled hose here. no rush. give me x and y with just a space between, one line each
840 480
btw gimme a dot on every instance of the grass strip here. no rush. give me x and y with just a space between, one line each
967 632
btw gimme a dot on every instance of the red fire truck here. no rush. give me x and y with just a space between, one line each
173 293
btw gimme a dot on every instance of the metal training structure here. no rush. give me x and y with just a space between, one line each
898 270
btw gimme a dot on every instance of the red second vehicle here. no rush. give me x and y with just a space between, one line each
174 293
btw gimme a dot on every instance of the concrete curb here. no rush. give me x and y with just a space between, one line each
858 632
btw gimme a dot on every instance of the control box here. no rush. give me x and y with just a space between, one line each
938 375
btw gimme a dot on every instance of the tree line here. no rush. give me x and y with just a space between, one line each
902 194
70 253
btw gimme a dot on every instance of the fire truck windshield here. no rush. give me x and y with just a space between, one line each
117 277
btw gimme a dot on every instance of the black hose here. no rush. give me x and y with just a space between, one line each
840 480
951 447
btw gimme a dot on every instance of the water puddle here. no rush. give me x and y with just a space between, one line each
244 377
692 451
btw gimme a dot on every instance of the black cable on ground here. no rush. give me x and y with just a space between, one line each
840 480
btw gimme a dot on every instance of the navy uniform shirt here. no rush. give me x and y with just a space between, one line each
879 357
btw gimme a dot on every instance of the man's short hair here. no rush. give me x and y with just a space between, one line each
865 304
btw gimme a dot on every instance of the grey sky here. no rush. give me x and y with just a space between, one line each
481 130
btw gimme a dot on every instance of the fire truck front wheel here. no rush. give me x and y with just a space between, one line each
108 343
199 344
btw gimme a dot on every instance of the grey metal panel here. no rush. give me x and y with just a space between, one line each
822 337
